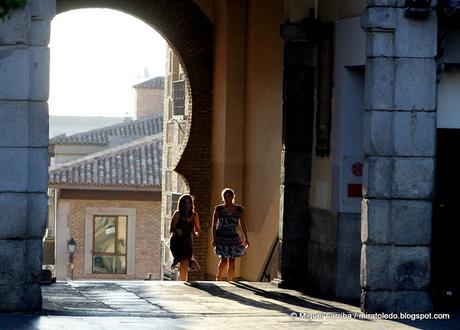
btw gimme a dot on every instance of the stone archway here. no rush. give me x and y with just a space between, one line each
24 68
190 33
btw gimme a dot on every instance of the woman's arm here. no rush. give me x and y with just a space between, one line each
243 226
196 223
214 224
174 220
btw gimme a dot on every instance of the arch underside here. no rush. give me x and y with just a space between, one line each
190 33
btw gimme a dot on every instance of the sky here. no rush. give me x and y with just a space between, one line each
97 55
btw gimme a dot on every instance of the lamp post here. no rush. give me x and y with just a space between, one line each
71 246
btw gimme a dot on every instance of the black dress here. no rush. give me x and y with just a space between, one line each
182 245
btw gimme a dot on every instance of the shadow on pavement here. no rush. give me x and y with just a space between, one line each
282 297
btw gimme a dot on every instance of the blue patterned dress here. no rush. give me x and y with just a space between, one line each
228 242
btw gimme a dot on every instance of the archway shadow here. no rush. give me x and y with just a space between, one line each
281 297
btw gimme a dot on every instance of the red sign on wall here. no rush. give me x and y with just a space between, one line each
351 185
354 190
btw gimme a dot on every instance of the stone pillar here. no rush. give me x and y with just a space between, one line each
24 71
399 148
298 117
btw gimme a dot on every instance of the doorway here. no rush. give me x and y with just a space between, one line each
446 222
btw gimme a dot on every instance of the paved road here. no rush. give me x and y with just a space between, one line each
195 305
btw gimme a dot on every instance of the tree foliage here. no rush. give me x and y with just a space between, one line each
6 6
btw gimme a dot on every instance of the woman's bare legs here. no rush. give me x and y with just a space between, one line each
231 269
221 268
183 270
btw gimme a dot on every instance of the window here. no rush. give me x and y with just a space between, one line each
109 244
174 199
179 97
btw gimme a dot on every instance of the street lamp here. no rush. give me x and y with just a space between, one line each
72 246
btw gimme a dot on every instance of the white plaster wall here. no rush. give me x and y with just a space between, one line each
448 115
351 137
347 111
331 10
296 10
62 236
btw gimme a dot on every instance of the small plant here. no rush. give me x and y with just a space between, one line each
6 6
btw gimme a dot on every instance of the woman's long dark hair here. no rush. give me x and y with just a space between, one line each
181 205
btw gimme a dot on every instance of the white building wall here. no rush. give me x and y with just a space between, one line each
448 115
329 181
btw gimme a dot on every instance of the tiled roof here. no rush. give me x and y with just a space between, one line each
100 136
77 124
157 82
134 164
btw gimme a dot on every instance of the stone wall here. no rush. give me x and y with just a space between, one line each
334 254
296 154
399 147
322 252
24 67
348 256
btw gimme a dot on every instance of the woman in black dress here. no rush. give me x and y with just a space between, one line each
185 224
225 239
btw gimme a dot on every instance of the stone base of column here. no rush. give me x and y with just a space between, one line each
293 264
21 298
291 285
396 302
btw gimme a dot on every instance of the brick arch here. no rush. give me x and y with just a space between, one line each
190 33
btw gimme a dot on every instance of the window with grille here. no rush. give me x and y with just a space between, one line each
109 244
179 97
174 200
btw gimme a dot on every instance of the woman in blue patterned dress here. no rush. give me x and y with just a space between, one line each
225 239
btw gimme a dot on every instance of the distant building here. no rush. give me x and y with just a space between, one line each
109 203
149 97
65 148
105 193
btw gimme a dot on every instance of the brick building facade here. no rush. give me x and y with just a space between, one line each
145 236
109 203
177 119
105 183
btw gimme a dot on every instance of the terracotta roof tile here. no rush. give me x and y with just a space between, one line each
157 82
101 136
134 164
